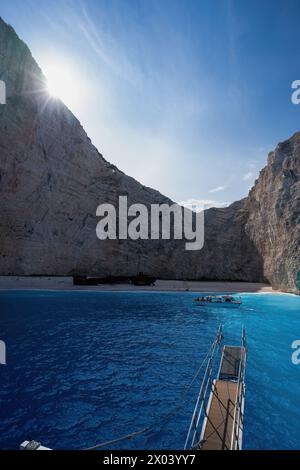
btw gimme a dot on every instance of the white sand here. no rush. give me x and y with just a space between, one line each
66 283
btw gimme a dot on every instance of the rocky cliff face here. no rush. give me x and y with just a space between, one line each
52 179
274 216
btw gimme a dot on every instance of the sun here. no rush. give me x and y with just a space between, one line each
63 82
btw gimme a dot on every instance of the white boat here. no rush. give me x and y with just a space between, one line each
32 445
218 301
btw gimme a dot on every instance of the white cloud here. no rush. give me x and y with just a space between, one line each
198 205
248 176
217 189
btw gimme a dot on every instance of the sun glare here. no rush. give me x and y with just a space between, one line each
63 83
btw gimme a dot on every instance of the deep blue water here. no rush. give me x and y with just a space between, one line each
87 367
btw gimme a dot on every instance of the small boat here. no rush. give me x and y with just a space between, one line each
219 301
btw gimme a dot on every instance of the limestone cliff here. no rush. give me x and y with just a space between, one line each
274 216
52 179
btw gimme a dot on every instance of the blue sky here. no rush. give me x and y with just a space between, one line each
187 96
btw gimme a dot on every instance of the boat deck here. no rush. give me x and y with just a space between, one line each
230 363
225 404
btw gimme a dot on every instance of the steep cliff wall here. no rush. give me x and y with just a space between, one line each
53 179
274 216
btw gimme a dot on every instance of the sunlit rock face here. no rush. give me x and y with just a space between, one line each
274 215
52 179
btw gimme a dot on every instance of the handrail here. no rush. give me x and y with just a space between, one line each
202 396
240 389
202 402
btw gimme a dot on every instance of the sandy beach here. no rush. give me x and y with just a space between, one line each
66 283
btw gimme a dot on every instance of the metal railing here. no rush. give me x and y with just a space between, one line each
203 395
207 389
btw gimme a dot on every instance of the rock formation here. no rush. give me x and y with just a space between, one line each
274 216
52 179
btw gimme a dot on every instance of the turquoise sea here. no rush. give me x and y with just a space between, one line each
86 367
